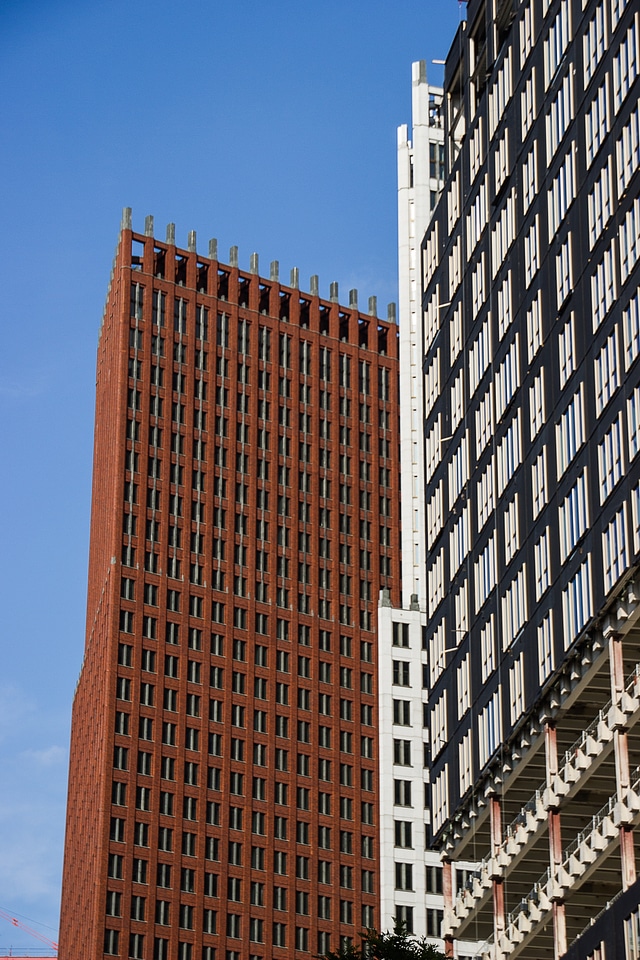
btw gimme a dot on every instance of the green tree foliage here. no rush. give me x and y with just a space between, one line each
388 946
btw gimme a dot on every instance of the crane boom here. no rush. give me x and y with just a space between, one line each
23 926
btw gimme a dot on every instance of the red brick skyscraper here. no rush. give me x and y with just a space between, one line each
223 783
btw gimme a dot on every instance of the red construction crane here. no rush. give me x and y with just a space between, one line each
34 933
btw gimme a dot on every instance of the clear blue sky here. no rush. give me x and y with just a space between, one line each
267 125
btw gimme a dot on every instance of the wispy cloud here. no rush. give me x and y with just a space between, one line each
26 389
48 757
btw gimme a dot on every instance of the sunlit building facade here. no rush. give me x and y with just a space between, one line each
531 337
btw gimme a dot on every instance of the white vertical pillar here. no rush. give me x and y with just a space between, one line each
415 186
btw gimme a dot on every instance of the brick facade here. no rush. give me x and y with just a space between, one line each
245 516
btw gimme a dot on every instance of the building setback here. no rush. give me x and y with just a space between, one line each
531 338
411 874
224 755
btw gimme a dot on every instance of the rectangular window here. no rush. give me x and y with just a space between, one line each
570 432
509 453
455 270
606 372
600 203
514 608
459 541
476 157
625 64
402 712
577 603
611 459
480 356
440 803
508 378
433 449
631 330
633 422
534 326
628 151
460 608
400 634
537 404
541 555
596 121
404 916
501 161
484 421
615 552
485 573
504 306
436 647
635 517
463 680
530 178
489 729
455 333
631 937
436 582
457 400
531 252
458 469
528 104
465 763
477 218
617 9
402 832
402 752
546 662
453 202
573 516
557 42
564 272
567 351
400 674
438 725
503 234
560 116
401 794
516 688
603 286
486 494
594 42
434 515
487 649
404 876
527 33
629 241
511 531
432 384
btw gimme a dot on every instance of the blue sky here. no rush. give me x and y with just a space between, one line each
267 125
